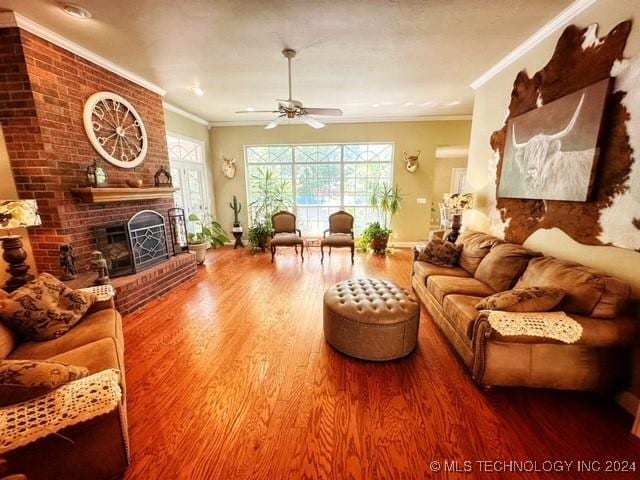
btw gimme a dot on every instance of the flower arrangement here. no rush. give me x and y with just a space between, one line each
457 201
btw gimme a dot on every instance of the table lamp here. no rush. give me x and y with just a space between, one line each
16 214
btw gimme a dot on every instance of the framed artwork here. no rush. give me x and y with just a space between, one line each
551 152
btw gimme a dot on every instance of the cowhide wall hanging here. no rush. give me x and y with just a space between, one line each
612 214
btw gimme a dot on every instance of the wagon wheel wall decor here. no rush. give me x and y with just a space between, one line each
115 129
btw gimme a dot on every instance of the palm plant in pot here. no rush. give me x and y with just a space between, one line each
272 193
209 233
386 199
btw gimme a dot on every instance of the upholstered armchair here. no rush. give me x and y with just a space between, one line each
285 233
339 234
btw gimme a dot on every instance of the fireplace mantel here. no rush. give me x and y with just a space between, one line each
122 194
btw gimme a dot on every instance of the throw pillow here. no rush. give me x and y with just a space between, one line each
44 308
440 252
22 380
530 299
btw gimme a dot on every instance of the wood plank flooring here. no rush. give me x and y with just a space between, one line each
229 377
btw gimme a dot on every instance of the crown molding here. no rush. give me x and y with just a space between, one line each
434 118
529 44
14 19
185 114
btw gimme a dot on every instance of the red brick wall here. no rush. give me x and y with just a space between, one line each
43 89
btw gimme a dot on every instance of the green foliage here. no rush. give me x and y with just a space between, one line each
374 237
212 232
259 234
272 194
236 206
387 200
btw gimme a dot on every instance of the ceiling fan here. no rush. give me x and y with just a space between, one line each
291 108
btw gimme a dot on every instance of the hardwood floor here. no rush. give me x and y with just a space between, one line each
229 377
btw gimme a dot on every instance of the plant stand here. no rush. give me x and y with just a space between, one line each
238 237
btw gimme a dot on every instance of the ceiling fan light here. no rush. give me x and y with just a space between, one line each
198 91
76 11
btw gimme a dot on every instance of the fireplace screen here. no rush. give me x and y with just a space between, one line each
148 239
135 245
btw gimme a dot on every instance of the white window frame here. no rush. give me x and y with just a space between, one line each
181 164
293 163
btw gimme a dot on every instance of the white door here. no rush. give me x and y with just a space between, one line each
189 174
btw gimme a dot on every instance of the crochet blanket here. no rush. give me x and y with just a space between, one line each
68 405
556 325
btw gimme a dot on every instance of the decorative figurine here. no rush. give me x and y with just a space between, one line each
68 263
162 178
96 175
99 265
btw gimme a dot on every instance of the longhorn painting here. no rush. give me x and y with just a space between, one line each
551 152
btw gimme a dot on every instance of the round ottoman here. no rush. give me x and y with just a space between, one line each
371 319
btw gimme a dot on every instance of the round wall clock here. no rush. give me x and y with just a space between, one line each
115 129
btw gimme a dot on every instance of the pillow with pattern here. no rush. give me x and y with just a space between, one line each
530 299
22 380
440 252
44 308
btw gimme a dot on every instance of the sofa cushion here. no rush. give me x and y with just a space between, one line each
7 341
503 265
440 286
440 252
461 312
423 270
22 380
475 246
529 299
286 239
99 325
588 292
44 308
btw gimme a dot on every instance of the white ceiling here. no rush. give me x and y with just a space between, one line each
372 58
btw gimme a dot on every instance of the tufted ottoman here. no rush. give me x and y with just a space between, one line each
371 319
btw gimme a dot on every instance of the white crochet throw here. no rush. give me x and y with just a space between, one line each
68 405
556 325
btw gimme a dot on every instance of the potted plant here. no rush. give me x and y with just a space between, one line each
374 237
272 194
386 199
210 235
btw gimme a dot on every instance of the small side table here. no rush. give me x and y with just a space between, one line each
238 237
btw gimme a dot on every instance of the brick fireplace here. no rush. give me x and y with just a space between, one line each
43 89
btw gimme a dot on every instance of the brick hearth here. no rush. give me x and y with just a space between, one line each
135 291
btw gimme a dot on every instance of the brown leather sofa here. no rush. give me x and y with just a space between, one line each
95 449
600 303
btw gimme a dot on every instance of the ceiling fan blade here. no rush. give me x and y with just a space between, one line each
276 121
312 121
258 111
334 112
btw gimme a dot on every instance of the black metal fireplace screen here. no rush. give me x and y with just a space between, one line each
135 245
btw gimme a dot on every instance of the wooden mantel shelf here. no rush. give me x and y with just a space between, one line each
122 194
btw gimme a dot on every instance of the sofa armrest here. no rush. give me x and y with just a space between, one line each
104 305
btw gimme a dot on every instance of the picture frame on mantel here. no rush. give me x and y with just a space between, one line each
551 152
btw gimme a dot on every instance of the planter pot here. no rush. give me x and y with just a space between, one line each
379 245
200 249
